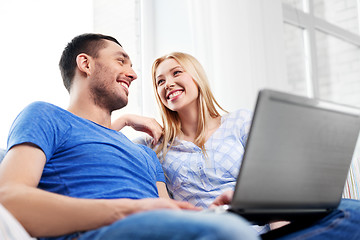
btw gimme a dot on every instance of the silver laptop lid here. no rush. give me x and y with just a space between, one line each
297 155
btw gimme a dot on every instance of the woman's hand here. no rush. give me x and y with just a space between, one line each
139 123
279 224
223 199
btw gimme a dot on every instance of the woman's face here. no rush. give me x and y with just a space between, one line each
175 87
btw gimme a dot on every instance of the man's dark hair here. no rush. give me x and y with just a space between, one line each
88 43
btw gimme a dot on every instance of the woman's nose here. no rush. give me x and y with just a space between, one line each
169 85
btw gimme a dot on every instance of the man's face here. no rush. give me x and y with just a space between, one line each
111 77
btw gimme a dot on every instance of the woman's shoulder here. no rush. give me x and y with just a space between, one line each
244 115
144 140
237 122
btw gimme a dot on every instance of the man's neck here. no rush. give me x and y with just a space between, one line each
91 112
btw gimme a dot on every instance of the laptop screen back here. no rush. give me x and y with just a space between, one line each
298 153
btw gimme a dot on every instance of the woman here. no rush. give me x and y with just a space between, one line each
200 150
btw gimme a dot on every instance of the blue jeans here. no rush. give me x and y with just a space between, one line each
343 223
175 225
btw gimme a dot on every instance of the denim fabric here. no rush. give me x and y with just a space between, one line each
175 225
343 223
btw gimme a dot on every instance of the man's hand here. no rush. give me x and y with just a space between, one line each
224 198
140 123
162 203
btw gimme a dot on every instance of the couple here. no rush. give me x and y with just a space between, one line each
68 175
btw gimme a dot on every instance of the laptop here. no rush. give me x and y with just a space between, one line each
296 160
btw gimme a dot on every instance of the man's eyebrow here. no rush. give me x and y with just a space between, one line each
122 54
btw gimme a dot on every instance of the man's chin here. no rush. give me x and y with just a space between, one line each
120 105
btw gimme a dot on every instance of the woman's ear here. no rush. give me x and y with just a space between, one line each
83 63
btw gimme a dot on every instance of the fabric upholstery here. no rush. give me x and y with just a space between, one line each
352 185
2 154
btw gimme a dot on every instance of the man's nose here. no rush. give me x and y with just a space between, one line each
131 74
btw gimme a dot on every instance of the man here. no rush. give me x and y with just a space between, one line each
68 175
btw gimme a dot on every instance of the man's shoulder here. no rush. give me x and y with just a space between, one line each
42 110
40 113
39 123
43 106
146 148
143 140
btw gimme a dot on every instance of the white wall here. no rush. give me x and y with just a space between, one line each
33 35
239 42
165 27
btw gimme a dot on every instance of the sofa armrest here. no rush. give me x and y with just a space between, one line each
352 185
2 154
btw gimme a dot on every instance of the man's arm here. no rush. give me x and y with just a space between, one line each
48 214
163 193
139 123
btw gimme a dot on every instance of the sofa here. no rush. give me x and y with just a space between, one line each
2 154
352 185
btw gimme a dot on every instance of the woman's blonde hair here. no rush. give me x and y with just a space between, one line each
206 100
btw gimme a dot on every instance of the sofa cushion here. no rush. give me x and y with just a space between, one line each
352 185
2 154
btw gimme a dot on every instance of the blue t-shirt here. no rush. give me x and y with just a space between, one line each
84 159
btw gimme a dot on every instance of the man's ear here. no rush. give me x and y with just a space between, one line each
83 63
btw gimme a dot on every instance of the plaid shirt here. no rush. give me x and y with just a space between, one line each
199 179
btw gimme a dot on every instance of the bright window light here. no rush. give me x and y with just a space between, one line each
33 35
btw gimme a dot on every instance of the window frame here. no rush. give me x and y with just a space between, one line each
306 20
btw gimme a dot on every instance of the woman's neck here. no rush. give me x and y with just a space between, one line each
189 124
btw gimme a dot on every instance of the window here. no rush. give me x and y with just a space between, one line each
296 57
323 49
338 69
341 13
